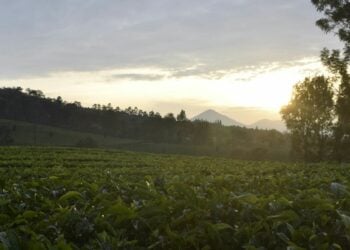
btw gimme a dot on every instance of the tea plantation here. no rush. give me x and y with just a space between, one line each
63 198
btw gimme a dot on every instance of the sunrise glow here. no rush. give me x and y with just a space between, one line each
266 87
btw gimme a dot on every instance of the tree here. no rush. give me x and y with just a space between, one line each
59 100
337 19
181 116
309 117
338 65
37 93
170 117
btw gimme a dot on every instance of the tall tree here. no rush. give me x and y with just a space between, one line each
309 117
181 116
338 65
337 19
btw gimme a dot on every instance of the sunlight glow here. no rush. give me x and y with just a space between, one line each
267 86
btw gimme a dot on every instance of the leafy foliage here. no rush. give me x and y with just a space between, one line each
336 18
61 198
309 117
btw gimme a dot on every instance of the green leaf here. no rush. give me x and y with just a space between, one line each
121 211
283 237
345 220
62 244
35 245
222 226
4 218
70 195
30 214
336 246
53 177
4 240
295 248
285 216
4 202
249 198
338 189
9 240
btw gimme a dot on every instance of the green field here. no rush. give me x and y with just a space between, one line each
31 134
25 133
64 198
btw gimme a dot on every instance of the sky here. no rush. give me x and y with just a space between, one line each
239 57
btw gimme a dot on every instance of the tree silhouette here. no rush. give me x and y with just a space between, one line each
170 117
337 19
150 130
181 116
309 117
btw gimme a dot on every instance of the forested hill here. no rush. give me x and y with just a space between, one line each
132 123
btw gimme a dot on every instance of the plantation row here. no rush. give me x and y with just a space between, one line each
61 198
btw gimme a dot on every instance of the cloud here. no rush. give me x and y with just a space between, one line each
43 37
137 77
237 94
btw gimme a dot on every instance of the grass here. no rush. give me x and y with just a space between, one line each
40 135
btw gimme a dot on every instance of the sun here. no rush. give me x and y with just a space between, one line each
269 88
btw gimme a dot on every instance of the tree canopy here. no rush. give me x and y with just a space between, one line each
336 18
309 117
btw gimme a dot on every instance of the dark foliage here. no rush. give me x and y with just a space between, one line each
132 123
309 117
6 135
107 199
336 19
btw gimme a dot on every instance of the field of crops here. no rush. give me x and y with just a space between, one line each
60 198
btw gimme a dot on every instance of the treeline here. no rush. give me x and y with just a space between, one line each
132 123
318 115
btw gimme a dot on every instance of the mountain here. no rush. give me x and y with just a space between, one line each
269 124
213 116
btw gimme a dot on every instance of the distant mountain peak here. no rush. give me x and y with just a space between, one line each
211 115
210 111
269 124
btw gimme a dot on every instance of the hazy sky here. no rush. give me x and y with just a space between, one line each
240 57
